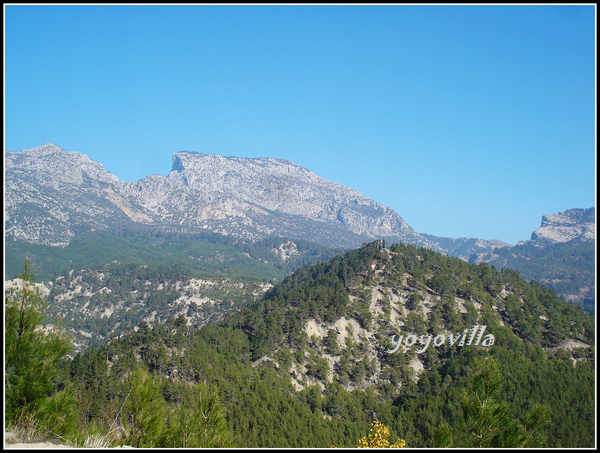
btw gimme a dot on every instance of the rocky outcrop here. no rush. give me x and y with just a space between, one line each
574 224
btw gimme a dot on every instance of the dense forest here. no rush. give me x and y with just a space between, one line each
199 254
262 378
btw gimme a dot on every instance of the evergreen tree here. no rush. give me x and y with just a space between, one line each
31 354
143 419
489 423
199 421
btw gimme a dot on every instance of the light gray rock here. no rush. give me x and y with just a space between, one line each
51 193
567 226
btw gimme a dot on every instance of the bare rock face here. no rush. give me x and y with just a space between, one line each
567 226
276 185
51 194
48 191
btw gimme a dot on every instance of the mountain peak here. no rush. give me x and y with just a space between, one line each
567 226
281 186
245 197
45 149
192 162
51 164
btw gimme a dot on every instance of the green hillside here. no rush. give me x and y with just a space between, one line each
103 283
206 254
309 364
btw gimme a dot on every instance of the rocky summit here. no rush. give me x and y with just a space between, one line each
52 194
573 224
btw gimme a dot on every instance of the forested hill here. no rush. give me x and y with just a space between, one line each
102 283
311 363
376 290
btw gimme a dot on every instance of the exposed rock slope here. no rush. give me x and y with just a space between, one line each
52 193
566 226
332 322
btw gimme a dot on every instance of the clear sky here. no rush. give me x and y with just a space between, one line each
469 121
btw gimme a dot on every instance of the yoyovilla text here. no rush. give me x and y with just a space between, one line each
474 338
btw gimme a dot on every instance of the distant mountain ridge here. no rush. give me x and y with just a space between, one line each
52 195
560 254
573 224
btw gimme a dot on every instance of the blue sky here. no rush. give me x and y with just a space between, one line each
469 121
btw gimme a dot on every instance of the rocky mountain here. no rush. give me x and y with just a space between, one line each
52 194
53 197
560 254
571 225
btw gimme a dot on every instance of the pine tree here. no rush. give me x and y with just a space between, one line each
31 354
144 410
199 421
489 423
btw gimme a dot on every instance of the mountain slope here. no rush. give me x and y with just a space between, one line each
560 254
329 326
103 284
51 194
313 360
416 290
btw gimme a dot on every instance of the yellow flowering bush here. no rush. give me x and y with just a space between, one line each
379 437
